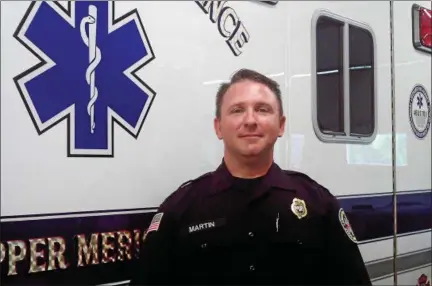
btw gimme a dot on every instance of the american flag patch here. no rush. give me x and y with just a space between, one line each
154 225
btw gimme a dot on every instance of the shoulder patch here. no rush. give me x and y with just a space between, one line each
343 219
155 223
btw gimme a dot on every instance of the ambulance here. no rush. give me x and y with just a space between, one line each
107 107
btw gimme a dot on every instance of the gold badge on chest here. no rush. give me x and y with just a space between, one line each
298 207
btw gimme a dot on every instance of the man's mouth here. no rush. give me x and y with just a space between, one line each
251 136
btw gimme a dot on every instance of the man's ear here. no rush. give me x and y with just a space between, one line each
282 125
217 128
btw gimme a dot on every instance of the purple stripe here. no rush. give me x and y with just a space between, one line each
68 228
370 217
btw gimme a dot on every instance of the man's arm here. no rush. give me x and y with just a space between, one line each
155 264
345 263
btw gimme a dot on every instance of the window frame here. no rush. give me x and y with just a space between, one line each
334 137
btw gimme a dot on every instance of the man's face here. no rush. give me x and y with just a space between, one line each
250 120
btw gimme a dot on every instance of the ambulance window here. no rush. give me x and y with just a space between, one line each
343 80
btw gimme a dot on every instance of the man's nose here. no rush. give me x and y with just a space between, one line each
250 118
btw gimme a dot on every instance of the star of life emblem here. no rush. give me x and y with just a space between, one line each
419 111
86 75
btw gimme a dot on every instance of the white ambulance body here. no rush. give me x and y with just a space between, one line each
89 148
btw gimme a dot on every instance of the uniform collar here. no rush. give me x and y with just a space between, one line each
275 177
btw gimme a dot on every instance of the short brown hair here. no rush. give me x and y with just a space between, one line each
247 74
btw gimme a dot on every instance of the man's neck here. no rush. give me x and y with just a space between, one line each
248 167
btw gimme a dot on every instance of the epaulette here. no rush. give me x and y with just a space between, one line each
316 190
194 180
311 181
175 197
296 173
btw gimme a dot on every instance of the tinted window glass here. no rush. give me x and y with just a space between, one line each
329 63
361 54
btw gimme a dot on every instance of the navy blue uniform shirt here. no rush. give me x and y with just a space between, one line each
282 228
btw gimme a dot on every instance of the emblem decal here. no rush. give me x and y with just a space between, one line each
298 207
346 225
419 111
86 75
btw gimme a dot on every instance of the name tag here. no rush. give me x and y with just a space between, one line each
205 225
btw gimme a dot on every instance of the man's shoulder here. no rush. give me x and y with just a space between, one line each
309 184
316 195
204 178
185 192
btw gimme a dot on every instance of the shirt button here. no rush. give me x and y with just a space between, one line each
251 268
251 234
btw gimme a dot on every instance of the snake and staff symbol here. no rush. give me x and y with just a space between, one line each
94 59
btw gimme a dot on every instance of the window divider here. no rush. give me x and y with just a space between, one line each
346 79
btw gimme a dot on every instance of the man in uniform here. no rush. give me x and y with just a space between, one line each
249 222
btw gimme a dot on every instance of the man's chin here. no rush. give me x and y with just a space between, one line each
253 152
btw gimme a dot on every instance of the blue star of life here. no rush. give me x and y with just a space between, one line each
419 101
87 72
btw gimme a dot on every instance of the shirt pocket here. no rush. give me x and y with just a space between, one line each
208 252
300 245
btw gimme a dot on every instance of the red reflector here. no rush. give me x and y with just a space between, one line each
422 28
425 27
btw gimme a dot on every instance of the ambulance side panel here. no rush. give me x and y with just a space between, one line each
321 78
413 174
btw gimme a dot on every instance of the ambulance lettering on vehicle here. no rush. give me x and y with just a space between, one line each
52 253
228 23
